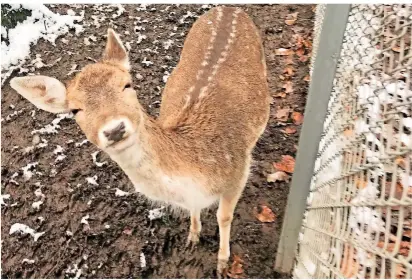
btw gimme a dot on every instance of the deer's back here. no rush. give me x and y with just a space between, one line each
219 86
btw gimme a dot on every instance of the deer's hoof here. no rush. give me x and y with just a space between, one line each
221 269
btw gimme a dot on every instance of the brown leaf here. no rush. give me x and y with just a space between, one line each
283 114
361 184
291 18
280 94
299 40
277 176
289 70
297 118
401 162
264 214
348 132
303 58
307 44
407 233
128 231
236 269
300 52
289 130
349 266
400 271
288 86
287 164
307 78
283 51
289 60
396 49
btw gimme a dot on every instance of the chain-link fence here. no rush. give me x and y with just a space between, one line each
358 217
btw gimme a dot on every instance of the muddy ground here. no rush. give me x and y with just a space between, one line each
119 231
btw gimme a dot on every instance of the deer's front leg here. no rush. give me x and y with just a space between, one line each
195 227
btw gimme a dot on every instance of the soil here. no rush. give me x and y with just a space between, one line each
119 231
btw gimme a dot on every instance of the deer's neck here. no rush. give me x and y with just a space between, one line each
155 150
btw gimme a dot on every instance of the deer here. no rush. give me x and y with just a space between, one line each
198 151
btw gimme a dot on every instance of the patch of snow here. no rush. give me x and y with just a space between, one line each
58 150
106 226
146 62
167 44
60 158
27 261
156 213
27 173
85 219
52 128
94 157
22 228
42 23
121 193
41 219
4 197
69 233
142 260
79 144
36 205
92 180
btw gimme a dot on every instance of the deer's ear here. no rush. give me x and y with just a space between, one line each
46 93
115 51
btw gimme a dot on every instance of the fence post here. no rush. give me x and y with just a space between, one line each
330 41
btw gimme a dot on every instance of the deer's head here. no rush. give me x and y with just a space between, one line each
101 97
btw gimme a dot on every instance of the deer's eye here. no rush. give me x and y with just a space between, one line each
128 86
75 111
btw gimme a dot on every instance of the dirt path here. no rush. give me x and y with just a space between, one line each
119 234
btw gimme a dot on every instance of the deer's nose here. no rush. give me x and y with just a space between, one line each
115 134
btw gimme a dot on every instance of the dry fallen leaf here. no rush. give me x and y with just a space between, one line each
350 267
361 184
401 162
400 271
299 40
280 94
264 214
287 164
303 58
236 269
307 78
128 231
289 70
297 118
288 86
289 130
396 49
307 44
291 18
348 132
277 176
289 60
300 52
283 51
283 114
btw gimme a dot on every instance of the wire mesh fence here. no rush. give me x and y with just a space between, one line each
358 220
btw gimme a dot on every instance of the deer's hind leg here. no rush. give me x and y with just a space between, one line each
227 205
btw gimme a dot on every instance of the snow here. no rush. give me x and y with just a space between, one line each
84 220
22 228
54 125
142 260
42 23
121 193
94 157
156 213
92 180
4 197
27 173
79 144
27 261
36 205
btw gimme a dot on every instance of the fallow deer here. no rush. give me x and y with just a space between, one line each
214 108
